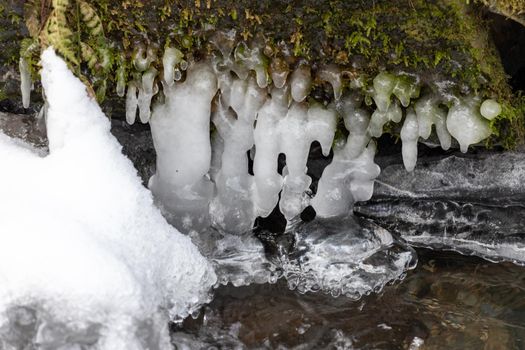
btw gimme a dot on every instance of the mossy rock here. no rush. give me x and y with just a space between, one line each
436 42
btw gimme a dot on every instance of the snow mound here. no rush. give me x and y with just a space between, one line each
86 259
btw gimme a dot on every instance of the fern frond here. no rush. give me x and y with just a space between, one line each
91 19
60 5
89 56
32 17
57 34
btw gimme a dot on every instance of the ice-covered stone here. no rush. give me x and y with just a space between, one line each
96 265
181 134
343 256
465 123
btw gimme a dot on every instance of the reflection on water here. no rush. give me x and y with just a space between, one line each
448 302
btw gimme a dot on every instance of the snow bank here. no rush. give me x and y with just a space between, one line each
86 259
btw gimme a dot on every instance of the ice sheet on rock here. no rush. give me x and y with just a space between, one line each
237 259
181 134
479 178
96 263
343 256
492 232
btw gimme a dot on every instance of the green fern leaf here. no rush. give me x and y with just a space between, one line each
90 18
57 34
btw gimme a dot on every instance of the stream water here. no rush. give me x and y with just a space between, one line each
449 301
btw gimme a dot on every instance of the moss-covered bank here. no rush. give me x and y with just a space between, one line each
440 44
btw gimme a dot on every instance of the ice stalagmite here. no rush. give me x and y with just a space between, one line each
232 208
350 176
409 136
181 134
429 113
465 123
267 135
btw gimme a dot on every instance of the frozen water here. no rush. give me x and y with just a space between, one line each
25 82
95 265
350 176
232 208
409 136
181 134
343 256
465 123
473 204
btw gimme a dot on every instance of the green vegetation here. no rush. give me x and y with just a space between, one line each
432 40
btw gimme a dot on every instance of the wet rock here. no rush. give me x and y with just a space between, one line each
473 204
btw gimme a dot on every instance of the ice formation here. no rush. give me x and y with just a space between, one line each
181 133
465 123
25 82
96 265
490 109
350 176
470 203
343 256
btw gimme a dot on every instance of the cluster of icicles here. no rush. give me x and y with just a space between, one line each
202 180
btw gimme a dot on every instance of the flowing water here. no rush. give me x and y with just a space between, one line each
448 302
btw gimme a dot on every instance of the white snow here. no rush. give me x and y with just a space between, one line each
81 242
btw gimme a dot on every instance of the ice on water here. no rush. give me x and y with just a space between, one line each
86 259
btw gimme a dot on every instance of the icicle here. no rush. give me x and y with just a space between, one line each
404 90
350 176
232 209
172 57
280 72
268 182
409 137
253 59
490 109
121 81
379 118
147 90
298 130
181 134
429 113
301 82
332 74
143 58
25 82
131 102
383 86
465 123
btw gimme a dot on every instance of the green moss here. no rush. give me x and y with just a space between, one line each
435 40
